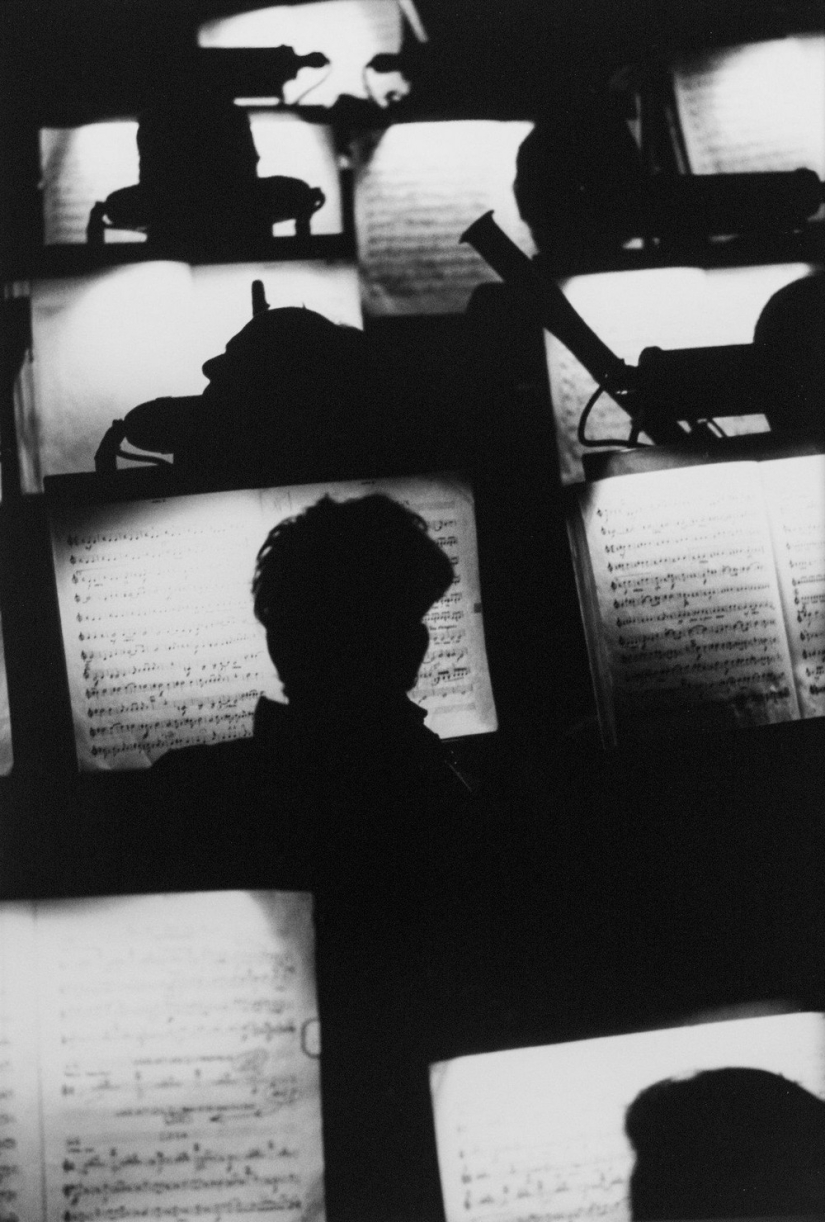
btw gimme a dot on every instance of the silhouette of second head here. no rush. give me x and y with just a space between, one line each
727 1143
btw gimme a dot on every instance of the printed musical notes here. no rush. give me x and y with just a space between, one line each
688 603
162 647
161 644
538 1133
795 491
177 1050
756 107
418 187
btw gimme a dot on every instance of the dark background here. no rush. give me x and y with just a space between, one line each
633 888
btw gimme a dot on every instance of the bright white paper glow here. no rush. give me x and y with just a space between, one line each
348 32
105 342
167 1047
677 307
539 1132
287 145
81 166
418 187
755 107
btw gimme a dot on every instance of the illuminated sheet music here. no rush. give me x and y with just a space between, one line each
537 1134
418 187
795 493
755 107
348 32
107 341
80 167
668 307
690 614
178 1047
162 647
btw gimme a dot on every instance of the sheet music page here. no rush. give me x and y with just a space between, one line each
6 754
418 186
692 625
348 32
105 342
180 1057
162 647
754 107
795 494
287 145
454 680
676 307
80 167
21 1151
537 1134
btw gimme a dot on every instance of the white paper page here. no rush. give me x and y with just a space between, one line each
180 1066
676 307
80 167
21 1154
6 755
102 343
755 107
348 32
287 145
162 647
795 491
687 594
418 187
454 680
538 1133
106 342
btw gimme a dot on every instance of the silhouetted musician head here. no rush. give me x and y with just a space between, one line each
727 1143
579 183
293 398
342 591
290 397
789 347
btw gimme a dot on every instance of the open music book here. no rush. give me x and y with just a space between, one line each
534 1134
159 1057
703 594
104 342
755 107
162 647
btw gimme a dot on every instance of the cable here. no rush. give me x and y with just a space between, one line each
603 441
315 84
